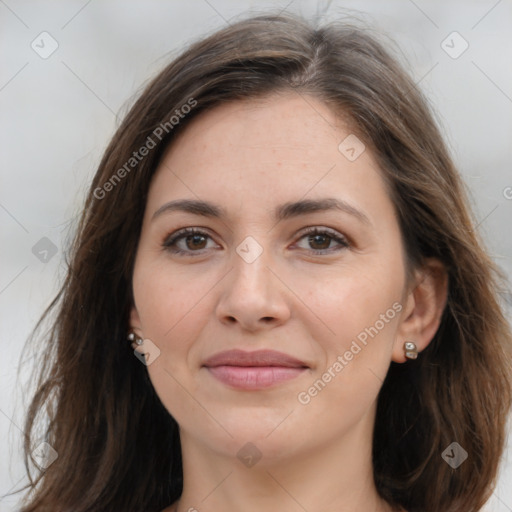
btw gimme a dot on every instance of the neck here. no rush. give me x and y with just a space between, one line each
329 478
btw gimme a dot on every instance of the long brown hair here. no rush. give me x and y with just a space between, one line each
118 447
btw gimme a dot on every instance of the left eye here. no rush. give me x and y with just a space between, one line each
322 239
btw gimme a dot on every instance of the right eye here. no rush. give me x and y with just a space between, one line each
188 241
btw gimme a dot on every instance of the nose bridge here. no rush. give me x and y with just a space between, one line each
250 261
252 293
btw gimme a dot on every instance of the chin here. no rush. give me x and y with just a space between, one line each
270 434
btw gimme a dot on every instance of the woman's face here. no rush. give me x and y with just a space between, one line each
254 278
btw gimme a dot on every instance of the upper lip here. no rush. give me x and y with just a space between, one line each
255 358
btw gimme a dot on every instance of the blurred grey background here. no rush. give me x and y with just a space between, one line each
67 69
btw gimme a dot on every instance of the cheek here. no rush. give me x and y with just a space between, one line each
353 300
170 307
164 295
174 306
363 314
165 303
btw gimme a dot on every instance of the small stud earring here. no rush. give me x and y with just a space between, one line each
410 349
136 339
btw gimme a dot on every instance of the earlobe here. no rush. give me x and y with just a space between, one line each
425 305
135 329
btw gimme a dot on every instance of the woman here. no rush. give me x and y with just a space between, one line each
276 298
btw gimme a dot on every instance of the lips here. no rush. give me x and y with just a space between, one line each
256 358
254 370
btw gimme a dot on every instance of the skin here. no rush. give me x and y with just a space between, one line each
249 157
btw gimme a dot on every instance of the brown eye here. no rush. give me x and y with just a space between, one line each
195 241
187 242
320 241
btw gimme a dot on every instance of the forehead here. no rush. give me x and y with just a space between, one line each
259 151
289 125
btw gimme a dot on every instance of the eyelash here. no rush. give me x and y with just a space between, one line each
169 243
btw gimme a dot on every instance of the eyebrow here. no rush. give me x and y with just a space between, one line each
282 212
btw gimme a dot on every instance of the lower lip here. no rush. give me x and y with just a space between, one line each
254 377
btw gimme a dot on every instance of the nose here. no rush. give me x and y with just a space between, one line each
253 295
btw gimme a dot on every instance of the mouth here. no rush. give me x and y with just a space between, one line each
254 370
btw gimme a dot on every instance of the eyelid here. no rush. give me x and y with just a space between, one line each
343 241
179 234
338 237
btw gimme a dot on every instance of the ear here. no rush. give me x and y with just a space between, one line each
424 306
135 326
